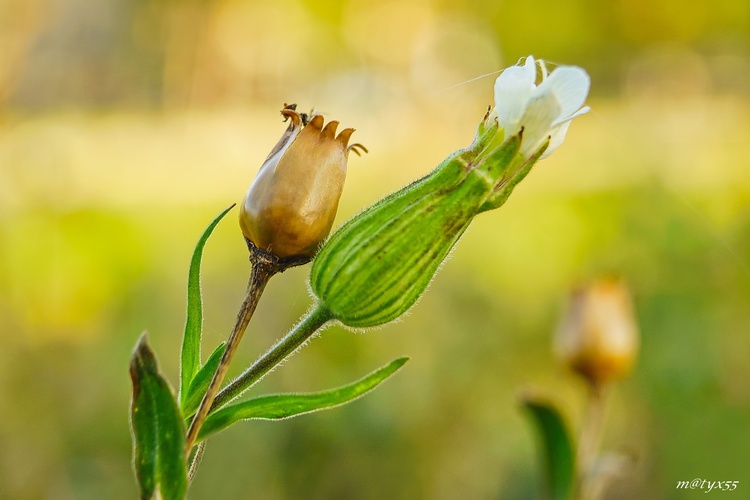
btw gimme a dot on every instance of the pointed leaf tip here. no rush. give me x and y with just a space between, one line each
157 428
190 358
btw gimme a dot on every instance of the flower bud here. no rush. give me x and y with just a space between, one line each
290 207
376 266
598 337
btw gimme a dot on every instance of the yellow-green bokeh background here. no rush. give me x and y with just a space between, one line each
127 125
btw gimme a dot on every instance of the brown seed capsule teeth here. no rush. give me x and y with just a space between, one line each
343 137
316 122
329 131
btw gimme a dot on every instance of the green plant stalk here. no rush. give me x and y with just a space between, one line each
262 271
196 461
310 323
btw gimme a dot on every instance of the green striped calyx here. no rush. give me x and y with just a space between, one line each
377 265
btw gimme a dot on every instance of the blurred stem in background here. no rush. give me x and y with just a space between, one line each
598 340
590 440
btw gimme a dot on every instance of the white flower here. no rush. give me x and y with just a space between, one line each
544 110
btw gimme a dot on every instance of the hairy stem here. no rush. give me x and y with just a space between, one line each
309 324
196 460
263 270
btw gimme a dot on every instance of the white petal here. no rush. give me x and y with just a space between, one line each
570 86
578 113
537 122
513 89
530 65
557 135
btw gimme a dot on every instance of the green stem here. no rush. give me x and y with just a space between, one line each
196 460
311 323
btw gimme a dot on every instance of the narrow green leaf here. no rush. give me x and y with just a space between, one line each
158 429
280 406
200 382
557 447
191 341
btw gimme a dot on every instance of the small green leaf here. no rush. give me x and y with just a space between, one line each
158 429
279 406
200 382
557 447
191 341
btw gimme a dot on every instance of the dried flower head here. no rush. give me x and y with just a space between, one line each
290 206
598 337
